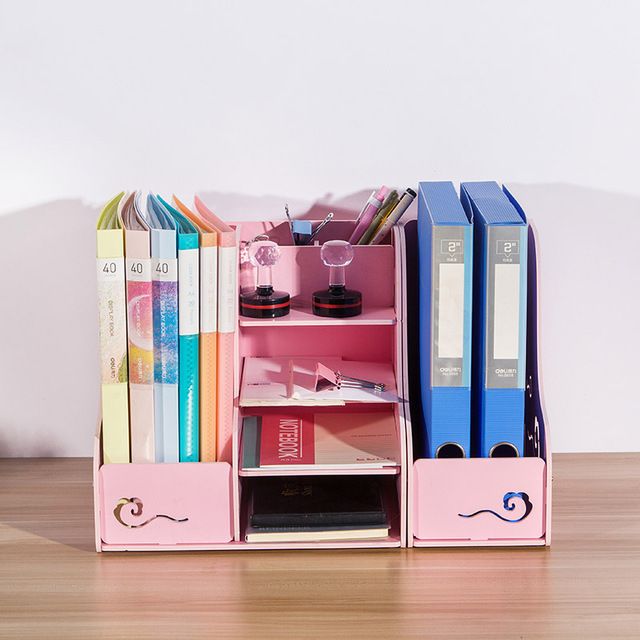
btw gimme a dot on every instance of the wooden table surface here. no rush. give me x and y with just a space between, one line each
587 585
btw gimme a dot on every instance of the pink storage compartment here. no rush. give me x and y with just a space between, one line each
375 335
165 504
479 501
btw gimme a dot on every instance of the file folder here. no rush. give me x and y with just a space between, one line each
164 273
188 334
113 334
137 243
445 252
208 332
228 375
499 320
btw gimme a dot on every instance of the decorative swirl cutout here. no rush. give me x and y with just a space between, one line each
136 511
508 505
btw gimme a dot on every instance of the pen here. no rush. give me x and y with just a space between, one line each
373 193
394 216
385 210
368 213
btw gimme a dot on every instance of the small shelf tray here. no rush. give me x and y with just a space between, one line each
319 471
301 316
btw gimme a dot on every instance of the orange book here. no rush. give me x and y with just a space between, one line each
227 321
208 333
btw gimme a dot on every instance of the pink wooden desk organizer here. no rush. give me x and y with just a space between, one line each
202 506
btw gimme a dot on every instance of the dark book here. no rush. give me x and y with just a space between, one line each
318 502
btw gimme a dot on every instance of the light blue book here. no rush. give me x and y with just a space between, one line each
499 319
445 254
189 334
164 278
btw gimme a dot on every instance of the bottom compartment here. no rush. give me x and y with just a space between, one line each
165 504
320 529
478 500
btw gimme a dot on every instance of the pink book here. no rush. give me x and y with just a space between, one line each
328 440
139 328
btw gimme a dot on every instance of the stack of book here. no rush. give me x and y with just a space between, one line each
316 509
167 310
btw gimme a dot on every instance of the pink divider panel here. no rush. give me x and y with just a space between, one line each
371 343
479 499
185 503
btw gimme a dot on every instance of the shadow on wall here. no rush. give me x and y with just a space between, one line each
48 330
237 207
589 298
590 343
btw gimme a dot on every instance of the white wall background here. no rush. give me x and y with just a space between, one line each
298 99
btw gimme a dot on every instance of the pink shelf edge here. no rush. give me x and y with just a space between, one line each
303 316
512 542
386 543
272 473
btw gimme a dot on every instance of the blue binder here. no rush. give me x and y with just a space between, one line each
445 253
499 320
164 275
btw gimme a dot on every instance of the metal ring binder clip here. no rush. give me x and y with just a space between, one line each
358 383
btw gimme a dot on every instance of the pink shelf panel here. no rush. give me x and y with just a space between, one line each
303 316
319 471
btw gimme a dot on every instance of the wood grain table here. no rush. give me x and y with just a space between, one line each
587 585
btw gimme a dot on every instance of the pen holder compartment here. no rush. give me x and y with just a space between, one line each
280 232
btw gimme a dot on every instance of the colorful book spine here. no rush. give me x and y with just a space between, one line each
113 334
164 273
188 334
139 328
227 321
208 332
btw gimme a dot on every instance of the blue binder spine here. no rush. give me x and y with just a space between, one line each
164 274
499 339
445 275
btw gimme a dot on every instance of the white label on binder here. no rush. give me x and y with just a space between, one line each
164 269
188 289
110 269
138 270
228 264
113 320
506 316
451 311
208 289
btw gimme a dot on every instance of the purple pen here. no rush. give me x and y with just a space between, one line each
368 213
